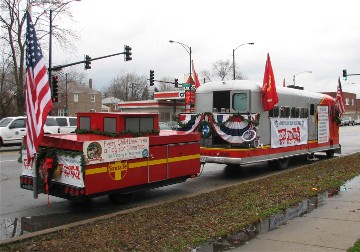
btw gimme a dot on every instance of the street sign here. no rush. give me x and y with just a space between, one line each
185 84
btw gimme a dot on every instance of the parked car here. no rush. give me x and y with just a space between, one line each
164 126
347 121
357 122
67 123
12 129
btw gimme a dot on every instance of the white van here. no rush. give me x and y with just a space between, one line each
67 123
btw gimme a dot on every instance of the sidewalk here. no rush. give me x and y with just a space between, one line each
333 226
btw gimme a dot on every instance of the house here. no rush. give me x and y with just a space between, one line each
77 98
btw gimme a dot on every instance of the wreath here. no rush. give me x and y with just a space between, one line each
47 164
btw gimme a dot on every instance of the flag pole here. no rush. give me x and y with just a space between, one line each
35 176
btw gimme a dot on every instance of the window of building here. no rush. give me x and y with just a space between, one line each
92 110
61 112
352 102
347 101
92 98
76 97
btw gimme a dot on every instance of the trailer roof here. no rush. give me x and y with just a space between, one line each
255 87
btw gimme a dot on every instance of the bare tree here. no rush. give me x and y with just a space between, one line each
127 87
7 86
12 21
163 86
221 69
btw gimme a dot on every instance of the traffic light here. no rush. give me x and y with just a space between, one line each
55 88
87 62
344 74
176 82
151 77
127 55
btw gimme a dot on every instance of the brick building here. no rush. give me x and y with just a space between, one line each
352 105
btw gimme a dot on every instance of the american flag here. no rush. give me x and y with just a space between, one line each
340 99
37 92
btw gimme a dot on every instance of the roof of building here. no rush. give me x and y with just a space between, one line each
111 100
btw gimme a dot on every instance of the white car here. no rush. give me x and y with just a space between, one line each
67 123
12 129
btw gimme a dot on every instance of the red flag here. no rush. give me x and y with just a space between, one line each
269 94
340 99
196 77
37 92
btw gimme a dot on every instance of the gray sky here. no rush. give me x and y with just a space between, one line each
319 36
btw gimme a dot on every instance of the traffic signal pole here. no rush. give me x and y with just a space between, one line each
58 68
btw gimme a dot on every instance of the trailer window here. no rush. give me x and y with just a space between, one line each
284 112
312 109
136 124
274 112
221 101
304 113
295 112
240 102
110 125
84 122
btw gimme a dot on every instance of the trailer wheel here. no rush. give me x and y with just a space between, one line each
120 198
330 153
279 164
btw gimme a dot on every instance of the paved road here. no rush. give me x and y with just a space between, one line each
20 213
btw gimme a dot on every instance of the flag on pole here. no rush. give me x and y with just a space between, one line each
340 99
269 94
37 91
196 77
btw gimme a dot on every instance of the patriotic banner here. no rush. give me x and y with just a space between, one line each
228 128
288 132
232 131
37 91
186 118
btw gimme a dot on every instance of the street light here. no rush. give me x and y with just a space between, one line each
300 73
251 43
188 50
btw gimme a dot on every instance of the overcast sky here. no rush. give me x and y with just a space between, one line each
319 36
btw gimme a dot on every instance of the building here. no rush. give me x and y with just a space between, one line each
76 98
167 104
352 105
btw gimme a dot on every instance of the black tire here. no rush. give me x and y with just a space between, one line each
279 164
119 198
330 153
